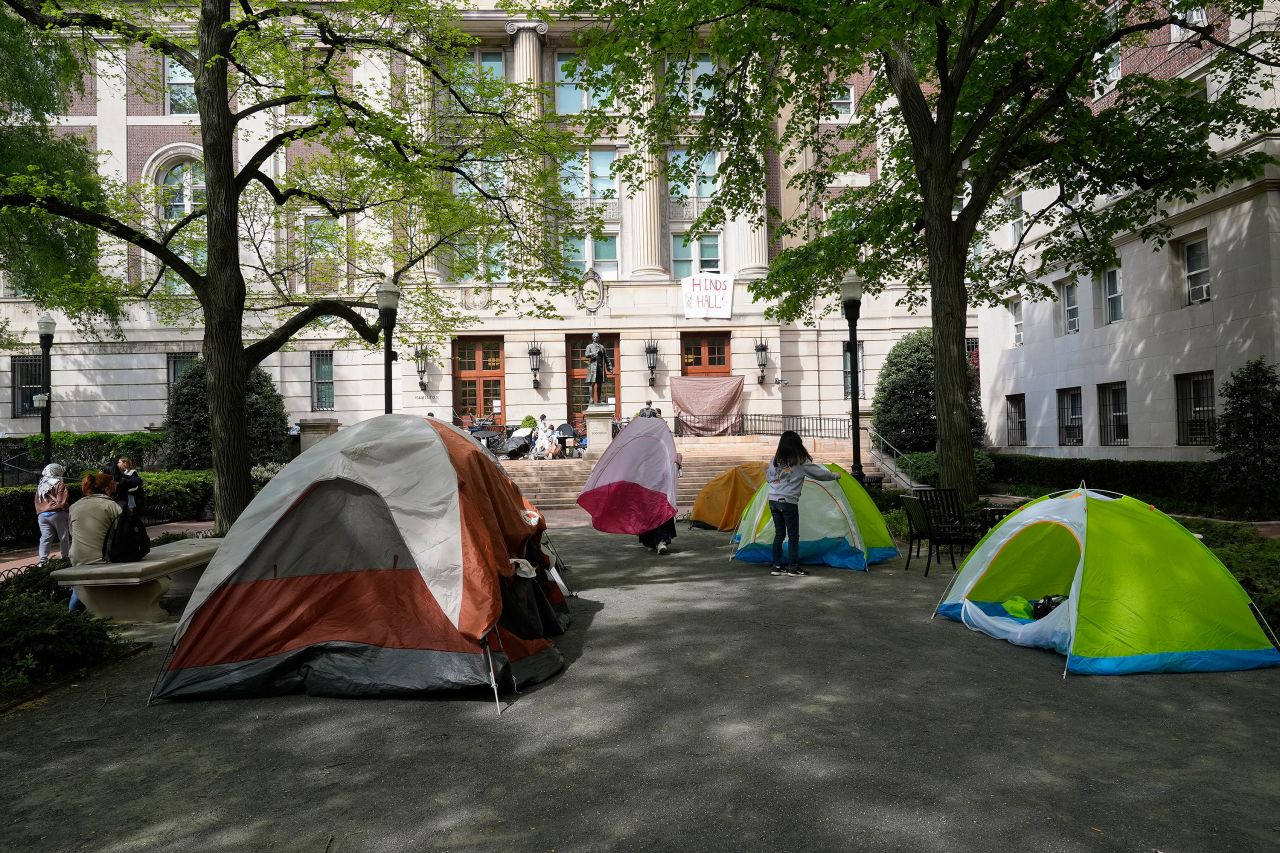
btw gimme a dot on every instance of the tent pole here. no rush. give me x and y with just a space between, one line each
1265 624
510 669
945 593
173 644
493 679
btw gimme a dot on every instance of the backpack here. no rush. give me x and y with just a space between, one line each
127 540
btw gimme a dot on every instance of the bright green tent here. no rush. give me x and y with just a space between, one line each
840 526
1142 593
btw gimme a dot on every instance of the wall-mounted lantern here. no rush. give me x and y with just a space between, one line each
420 362
651 359
762 357
535 361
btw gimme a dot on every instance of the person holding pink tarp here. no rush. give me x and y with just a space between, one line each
633 486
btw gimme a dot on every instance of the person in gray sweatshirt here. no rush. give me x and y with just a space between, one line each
785 475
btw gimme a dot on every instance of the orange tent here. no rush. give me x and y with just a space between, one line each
393 557
721 502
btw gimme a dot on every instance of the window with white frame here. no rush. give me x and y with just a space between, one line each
1015 313
689 76
1109 74
691 255
1112 295
1195 257
1068 294
840 101
182 192
590 175
179 88
322 246
596 253
572 96
689 182
322 381
1018 222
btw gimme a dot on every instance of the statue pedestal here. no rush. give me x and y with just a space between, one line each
599 418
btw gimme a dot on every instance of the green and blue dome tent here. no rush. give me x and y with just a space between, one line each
1142 593
840 526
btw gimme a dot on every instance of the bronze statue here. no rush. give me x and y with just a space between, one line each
599 366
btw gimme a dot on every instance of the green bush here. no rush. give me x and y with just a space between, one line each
187 422
171 496
896 521
529 422
93 451
905 408
39 638
923 467
1248 439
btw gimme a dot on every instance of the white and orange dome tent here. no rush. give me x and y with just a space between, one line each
393 557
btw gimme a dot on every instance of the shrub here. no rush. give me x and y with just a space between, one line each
529 422
1248 440
171 496
905 411
923 467
39 638
93 451
187 422
896 521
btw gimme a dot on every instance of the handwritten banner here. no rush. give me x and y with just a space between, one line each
707 296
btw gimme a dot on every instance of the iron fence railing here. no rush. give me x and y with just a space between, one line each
742 423
886 457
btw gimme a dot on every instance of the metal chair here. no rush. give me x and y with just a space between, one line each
917 529
947 525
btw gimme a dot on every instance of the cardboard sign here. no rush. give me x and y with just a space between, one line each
707 296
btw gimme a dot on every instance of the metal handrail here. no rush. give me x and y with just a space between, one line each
888 463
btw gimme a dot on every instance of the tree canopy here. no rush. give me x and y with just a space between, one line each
958 109
338 143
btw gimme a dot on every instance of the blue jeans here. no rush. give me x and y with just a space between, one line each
786 525
54 525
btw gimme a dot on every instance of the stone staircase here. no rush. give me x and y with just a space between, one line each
556 483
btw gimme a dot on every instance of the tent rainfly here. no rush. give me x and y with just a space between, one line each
1141 593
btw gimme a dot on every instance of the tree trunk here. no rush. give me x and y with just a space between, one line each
223 299
950 307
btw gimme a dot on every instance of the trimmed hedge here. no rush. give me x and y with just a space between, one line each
92 451
923 467
171 496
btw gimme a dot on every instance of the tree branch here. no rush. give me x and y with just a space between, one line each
259 350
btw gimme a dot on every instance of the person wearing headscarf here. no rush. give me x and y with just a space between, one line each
52 500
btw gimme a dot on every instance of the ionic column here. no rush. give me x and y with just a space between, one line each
647 226
526 65
749 243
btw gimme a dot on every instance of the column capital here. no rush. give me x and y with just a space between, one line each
538 28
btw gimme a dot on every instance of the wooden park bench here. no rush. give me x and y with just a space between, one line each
130 592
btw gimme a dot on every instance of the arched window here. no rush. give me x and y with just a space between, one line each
182 189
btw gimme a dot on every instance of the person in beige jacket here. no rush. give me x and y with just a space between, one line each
91 519
52 499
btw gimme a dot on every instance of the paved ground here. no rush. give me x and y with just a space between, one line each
706 706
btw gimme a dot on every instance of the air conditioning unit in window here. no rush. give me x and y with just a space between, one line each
1199 293
1073 325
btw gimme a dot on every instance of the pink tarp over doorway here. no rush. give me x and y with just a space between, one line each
706 404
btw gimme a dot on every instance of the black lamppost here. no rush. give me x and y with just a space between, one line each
851 299
46 325
388 301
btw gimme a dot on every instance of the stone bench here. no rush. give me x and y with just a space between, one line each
130 592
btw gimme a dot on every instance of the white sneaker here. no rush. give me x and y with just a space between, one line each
662 548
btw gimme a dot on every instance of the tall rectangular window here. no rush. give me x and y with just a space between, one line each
28 381
1069 294
570 96
840 101
597 253
178 363
684 178
851 381
1015 313
179 88
1017 224
1112 295
322 253
1015 420
1113 414
1195 256
695 255
1070 417
1196 421
322 381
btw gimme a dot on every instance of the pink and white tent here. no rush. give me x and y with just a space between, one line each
633 487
